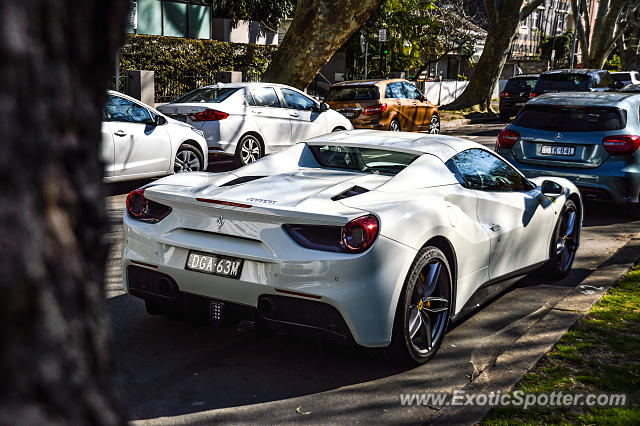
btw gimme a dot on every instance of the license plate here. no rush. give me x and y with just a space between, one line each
348 114
520 104
558 150
182 118
214 264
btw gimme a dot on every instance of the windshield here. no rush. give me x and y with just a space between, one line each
563 82
206 94
357 93
367 160
570 118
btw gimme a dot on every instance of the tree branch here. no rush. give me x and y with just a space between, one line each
528 9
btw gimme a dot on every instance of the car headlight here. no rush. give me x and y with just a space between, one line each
200 132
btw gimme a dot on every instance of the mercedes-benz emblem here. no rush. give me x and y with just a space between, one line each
220 221
559 136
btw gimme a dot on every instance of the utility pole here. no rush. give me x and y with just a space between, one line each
575 37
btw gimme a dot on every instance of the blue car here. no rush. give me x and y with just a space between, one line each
592 139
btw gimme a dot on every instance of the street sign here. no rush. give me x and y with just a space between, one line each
362 43
382 34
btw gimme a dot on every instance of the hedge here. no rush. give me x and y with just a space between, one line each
181 64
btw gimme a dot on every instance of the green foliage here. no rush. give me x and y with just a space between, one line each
614 63
269 12
176 60
562 46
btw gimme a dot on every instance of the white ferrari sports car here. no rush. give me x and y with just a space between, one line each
379 238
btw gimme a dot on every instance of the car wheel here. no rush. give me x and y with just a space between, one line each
338 129
248 151
188 159
394 126
434 125
564 242
423 311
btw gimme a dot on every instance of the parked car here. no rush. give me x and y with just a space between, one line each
632 88
624 78
250 120
375 237
515 94
393 105
140 142
574 80
592 139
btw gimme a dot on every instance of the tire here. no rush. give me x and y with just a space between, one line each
564 243
424 309
338 129
249 150
434 125
188 159
394 126
153 308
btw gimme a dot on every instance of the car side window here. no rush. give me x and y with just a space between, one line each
265 97
412 91
248 97
297 101
606 81
124 110
481 170
394 91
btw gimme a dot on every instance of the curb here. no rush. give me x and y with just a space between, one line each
510 366
460 122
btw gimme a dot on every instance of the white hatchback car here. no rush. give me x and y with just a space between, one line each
139 142
249 120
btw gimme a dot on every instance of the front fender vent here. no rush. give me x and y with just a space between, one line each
355 190
242 179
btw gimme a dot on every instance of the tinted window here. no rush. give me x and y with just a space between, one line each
366 160
248 97
520 85
120 109
570 118
358 93
394 91
563 82
603 80
625 77
479 169
412 91
297 101
206 94
265 96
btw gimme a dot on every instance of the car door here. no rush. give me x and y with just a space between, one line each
140 146
396 99
420 109
517 218
266 109
107 149
304 114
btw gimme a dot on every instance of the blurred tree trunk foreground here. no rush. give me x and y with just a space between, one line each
319 28
504 17
57 57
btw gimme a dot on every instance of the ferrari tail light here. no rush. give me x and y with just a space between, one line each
504 95
355 237
140 208
360 233
209 115
532 94
507 138
621 144
375 109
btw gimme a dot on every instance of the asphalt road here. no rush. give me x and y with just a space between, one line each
179 372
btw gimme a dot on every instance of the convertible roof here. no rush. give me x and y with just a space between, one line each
441 146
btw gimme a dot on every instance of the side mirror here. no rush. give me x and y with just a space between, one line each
160 120
551 189
149 122
324 107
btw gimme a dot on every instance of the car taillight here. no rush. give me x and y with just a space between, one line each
507 138
375 109
360 233
504 95
355 237
140 208
209 115
621 144
532 94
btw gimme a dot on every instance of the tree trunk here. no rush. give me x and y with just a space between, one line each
57 57
319 28
504 18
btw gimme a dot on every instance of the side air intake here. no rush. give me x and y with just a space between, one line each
356 190
242 179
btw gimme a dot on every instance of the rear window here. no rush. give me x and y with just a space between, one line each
563 82
625 76
366 160
518 85
206 94
571 119
355 93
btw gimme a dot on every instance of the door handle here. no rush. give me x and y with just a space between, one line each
495 227
294 114
120 133
256 111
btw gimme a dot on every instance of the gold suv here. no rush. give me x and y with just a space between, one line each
393 104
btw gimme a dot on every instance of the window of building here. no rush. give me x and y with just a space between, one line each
177 18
